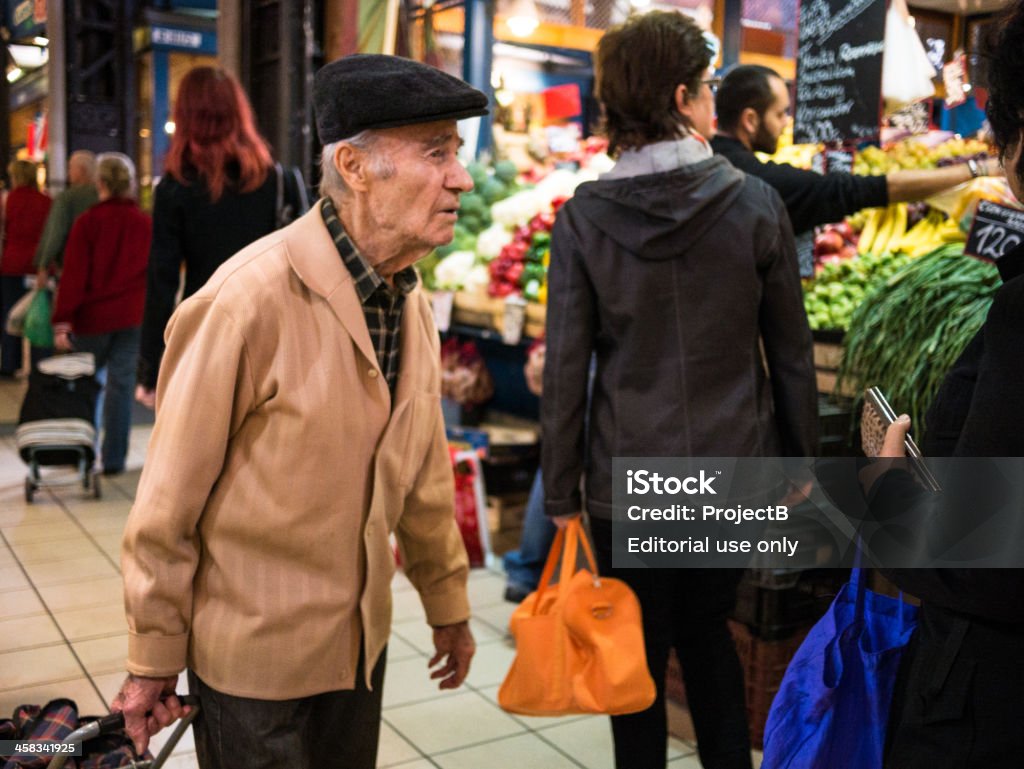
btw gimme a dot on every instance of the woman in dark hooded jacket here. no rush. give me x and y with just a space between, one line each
678 274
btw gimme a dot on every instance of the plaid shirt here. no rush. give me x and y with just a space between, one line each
382 305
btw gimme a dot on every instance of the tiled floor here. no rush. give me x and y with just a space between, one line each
63 634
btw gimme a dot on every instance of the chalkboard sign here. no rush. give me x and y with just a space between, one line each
839 70
997 230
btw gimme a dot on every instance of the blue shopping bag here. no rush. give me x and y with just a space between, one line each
833 705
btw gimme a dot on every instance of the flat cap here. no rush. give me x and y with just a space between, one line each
365 91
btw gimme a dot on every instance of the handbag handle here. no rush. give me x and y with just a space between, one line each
565 548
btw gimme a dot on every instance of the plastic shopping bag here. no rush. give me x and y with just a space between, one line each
832 708
16 316
38 329
907 72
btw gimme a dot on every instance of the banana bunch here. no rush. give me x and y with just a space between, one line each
928 234
884 228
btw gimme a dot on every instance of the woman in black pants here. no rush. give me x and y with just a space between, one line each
670 271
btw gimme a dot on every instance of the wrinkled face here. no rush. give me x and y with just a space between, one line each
774 120
414 192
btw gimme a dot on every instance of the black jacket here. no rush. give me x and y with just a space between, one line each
960 697
672 281
811 198
192 231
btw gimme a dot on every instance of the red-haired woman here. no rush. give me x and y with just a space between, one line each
219 193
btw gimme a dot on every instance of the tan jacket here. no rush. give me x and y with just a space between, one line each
257 550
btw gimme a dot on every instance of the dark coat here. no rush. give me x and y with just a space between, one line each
192 231
960 696
811 198
672 281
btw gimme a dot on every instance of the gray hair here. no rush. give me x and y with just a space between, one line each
332 185
116 172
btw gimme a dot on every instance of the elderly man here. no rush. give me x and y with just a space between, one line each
80 196
298 427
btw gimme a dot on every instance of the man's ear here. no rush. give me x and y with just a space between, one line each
353 165
749 121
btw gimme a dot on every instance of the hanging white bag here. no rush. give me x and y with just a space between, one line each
907 73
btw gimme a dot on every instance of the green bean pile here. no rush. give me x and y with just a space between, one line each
908 332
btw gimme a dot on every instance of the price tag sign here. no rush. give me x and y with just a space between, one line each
953 76
514 320
839 161
442 302
914 118
997 230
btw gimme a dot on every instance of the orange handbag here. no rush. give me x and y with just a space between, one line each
579 644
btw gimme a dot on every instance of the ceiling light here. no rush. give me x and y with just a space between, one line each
504 97
41 41
523 18
14 74
169 127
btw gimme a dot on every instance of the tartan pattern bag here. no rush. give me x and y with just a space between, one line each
54 722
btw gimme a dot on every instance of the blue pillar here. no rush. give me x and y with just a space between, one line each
161 109
478 59
732 31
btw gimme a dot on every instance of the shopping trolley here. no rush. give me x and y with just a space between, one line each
115 723
56 424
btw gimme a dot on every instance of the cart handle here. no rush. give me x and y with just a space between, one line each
115 722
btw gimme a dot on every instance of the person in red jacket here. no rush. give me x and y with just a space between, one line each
102 292
24 216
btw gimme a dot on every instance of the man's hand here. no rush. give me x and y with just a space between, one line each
456 643
144 713
145 396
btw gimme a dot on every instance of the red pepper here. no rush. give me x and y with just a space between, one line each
515 271
517 250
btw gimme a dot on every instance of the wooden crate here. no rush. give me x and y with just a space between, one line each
764 663
828 355
474 309
506 512
482 311
536 316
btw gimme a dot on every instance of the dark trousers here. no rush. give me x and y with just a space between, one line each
334 730
118 353
685 610
12 288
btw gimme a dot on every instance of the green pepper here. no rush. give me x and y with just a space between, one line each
532 271
541 238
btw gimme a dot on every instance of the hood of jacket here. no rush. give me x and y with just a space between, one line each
650 215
